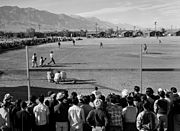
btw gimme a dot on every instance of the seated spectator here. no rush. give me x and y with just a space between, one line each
147 120
50 76
57 77
63 75
97 118
129 115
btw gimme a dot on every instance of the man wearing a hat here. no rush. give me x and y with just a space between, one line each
97 118
61 113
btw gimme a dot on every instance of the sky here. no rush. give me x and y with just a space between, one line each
143 13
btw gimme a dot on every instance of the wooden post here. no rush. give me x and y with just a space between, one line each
28 76
141 67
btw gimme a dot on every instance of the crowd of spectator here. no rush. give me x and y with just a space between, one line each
14 44
128 111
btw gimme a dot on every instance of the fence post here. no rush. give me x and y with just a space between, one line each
28 76
141 67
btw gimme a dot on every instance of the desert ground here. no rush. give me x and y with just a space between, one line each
112 68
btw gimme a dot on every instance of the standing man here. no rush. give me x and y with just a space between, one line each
34 60
41 112
74 42
101 45
76 116
59 44
51 58
23 119
145 49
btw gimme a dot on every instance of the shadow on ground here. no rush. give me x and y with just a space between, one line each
21 92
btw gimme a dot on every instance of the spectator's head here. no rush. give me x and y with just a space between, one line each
18 102
86 99
136 88
73 95
129 100
23 105
53 96
7 98
98 103
136 100
113 99
75 101
41 98
60 96
92 97
102 97
96 88
66 93
124 93
34 53
51 51
33 99
80 98
50 93
173 89
161 93
149 91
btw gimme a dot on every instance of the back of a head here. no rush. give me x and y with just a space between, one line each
149 91
161 93
23 104
75 101
73 94
92 97
136 88
86 99
33 98
50 93
41 98
173 89
129 100
96 88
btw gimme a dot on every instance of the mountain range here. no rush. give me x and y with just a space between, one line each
15 19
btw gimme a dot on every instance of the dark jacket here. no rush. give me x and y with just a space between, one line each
23 121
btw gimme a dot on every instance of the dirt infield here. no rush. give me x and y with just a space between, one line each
112 68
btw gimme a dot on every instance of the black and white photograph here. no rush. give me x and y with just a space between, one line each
89 65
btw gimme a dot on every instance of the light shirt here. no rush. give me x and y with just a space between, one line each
51 55
41 113
76 117
96 93
57 77
129 114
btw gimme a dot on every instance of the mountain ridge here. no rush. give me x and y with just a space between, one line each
15 19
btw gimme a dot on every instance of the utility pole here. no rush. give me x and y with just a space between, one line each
155 23
96 29
39 26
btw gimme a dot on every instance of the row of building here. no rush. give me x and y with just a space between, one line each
131 33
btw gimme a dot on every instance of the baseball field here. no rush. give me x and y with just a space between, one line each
112 68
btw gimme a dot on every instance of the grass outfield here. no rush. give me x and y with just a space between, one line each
112 68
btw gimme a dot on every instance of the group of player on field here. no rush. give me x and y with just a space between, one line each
42 60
